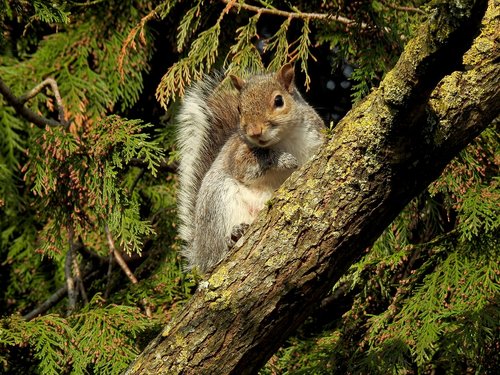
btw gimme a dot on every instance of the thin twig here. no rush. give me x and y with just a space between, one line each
121 262
164 166
88 3
107 291
119 258
54 298
402 8
130 39
49 302
28 114
416 249
57 95
282 13
79 279
137 179
338 293
86 253
70 281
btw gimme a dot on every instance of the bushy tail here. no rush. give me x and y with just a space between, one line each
207 117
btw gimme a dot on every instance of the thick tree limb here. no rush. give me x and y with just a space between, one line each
385 151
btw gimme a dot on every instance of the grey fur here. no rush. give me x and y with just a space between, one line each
199 142
224 179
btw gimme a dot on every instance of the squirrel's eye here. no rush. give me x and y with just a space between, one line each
278 101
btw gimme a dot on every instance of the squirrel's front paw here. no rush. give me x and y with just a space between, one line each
287 161
236 233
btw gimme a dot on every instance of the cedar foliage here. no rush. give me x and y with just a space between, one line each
424 299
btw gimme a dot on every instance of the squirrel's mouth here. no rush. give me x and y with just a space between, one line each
261 140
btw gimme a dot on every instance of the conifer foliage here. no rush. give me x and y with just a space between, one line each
89 266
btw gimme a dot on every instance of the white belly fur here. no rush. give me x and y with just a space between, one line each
244 203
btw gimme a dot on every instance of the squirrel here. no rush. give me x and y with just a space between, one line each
236 148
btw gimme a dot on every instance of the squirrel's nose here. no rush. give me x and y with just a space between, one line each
255 131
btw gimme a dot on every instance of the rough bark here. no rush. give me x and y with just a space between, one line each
443 91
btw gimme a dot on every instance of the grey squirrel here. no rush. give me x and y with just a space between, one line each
236 148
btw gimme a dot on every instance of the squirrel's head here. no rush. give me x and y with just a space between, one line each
266 105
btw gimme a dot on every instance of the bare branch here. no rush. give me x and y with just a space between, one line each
49 302
282 13
118 257
136 180
87 253
70 281
402 8
107 291
28 114
57 95
79 280
121 262
88 3
55 298
164 166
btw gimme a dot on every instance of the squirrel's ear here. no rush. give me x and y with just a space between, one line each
238 82
286 76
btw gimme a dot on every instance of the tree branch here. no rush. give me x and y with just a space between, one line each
70 280
79 280
57 95
382 154
121 262
130 39
49 302
164 166
55 298
402 8
88 3
18 104
282 13
107 291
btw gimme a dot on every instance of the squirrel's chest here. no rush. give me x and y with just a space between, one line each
256 199
245 201
253 199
